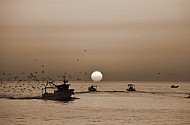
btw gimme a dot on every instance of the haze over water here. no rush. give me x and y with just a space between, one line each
124 39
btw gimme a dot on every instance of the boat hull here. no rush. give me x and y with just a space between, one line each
92 89
63 95
173 86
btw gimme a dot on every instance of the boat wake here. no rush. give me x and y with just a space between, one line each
162 92
27 97
33 97
175 94
83 92
94 92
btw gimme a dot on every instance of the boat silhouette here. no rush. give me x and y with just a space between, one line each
92 88
60 92
174 86
131 87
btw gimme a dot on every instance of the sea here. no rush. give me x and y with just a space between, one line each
153 103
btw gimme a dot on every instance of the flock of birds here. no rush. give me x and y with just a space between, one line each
12 85
30 76
34 76
20 87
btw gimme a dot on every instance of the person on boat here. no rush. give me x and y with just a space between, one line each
92 86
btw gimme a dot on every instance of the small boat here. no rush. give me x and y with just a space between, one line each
188 96
92 88
174 86
131 87
60 92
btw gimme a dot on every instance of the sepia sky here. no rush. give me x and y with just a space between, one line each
124 39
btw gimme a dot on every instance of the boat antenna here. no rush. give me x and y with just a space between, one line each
65 81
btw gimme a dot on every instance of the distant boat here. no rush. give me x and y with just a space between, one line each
188 96
131 87
61 92
92 88
174 86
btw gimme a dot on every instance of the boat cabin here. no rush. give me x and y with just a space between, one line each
131 87
92 88
60 92
174 86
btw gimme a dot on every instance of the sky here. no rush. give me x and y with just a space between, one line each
124 39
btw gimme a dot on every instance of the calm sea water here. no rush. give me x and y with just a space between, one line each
154 103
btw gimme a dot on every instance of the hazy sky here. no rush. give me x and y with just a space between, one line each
124 39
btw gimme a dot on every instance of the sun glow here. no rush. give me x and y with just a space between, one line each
96 76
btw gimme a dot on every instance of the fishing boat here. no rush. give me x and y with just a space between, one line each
60 92
92 88
131 87
188 96
174 86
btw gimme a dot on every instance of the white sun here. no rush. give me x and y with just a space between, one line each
96 76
